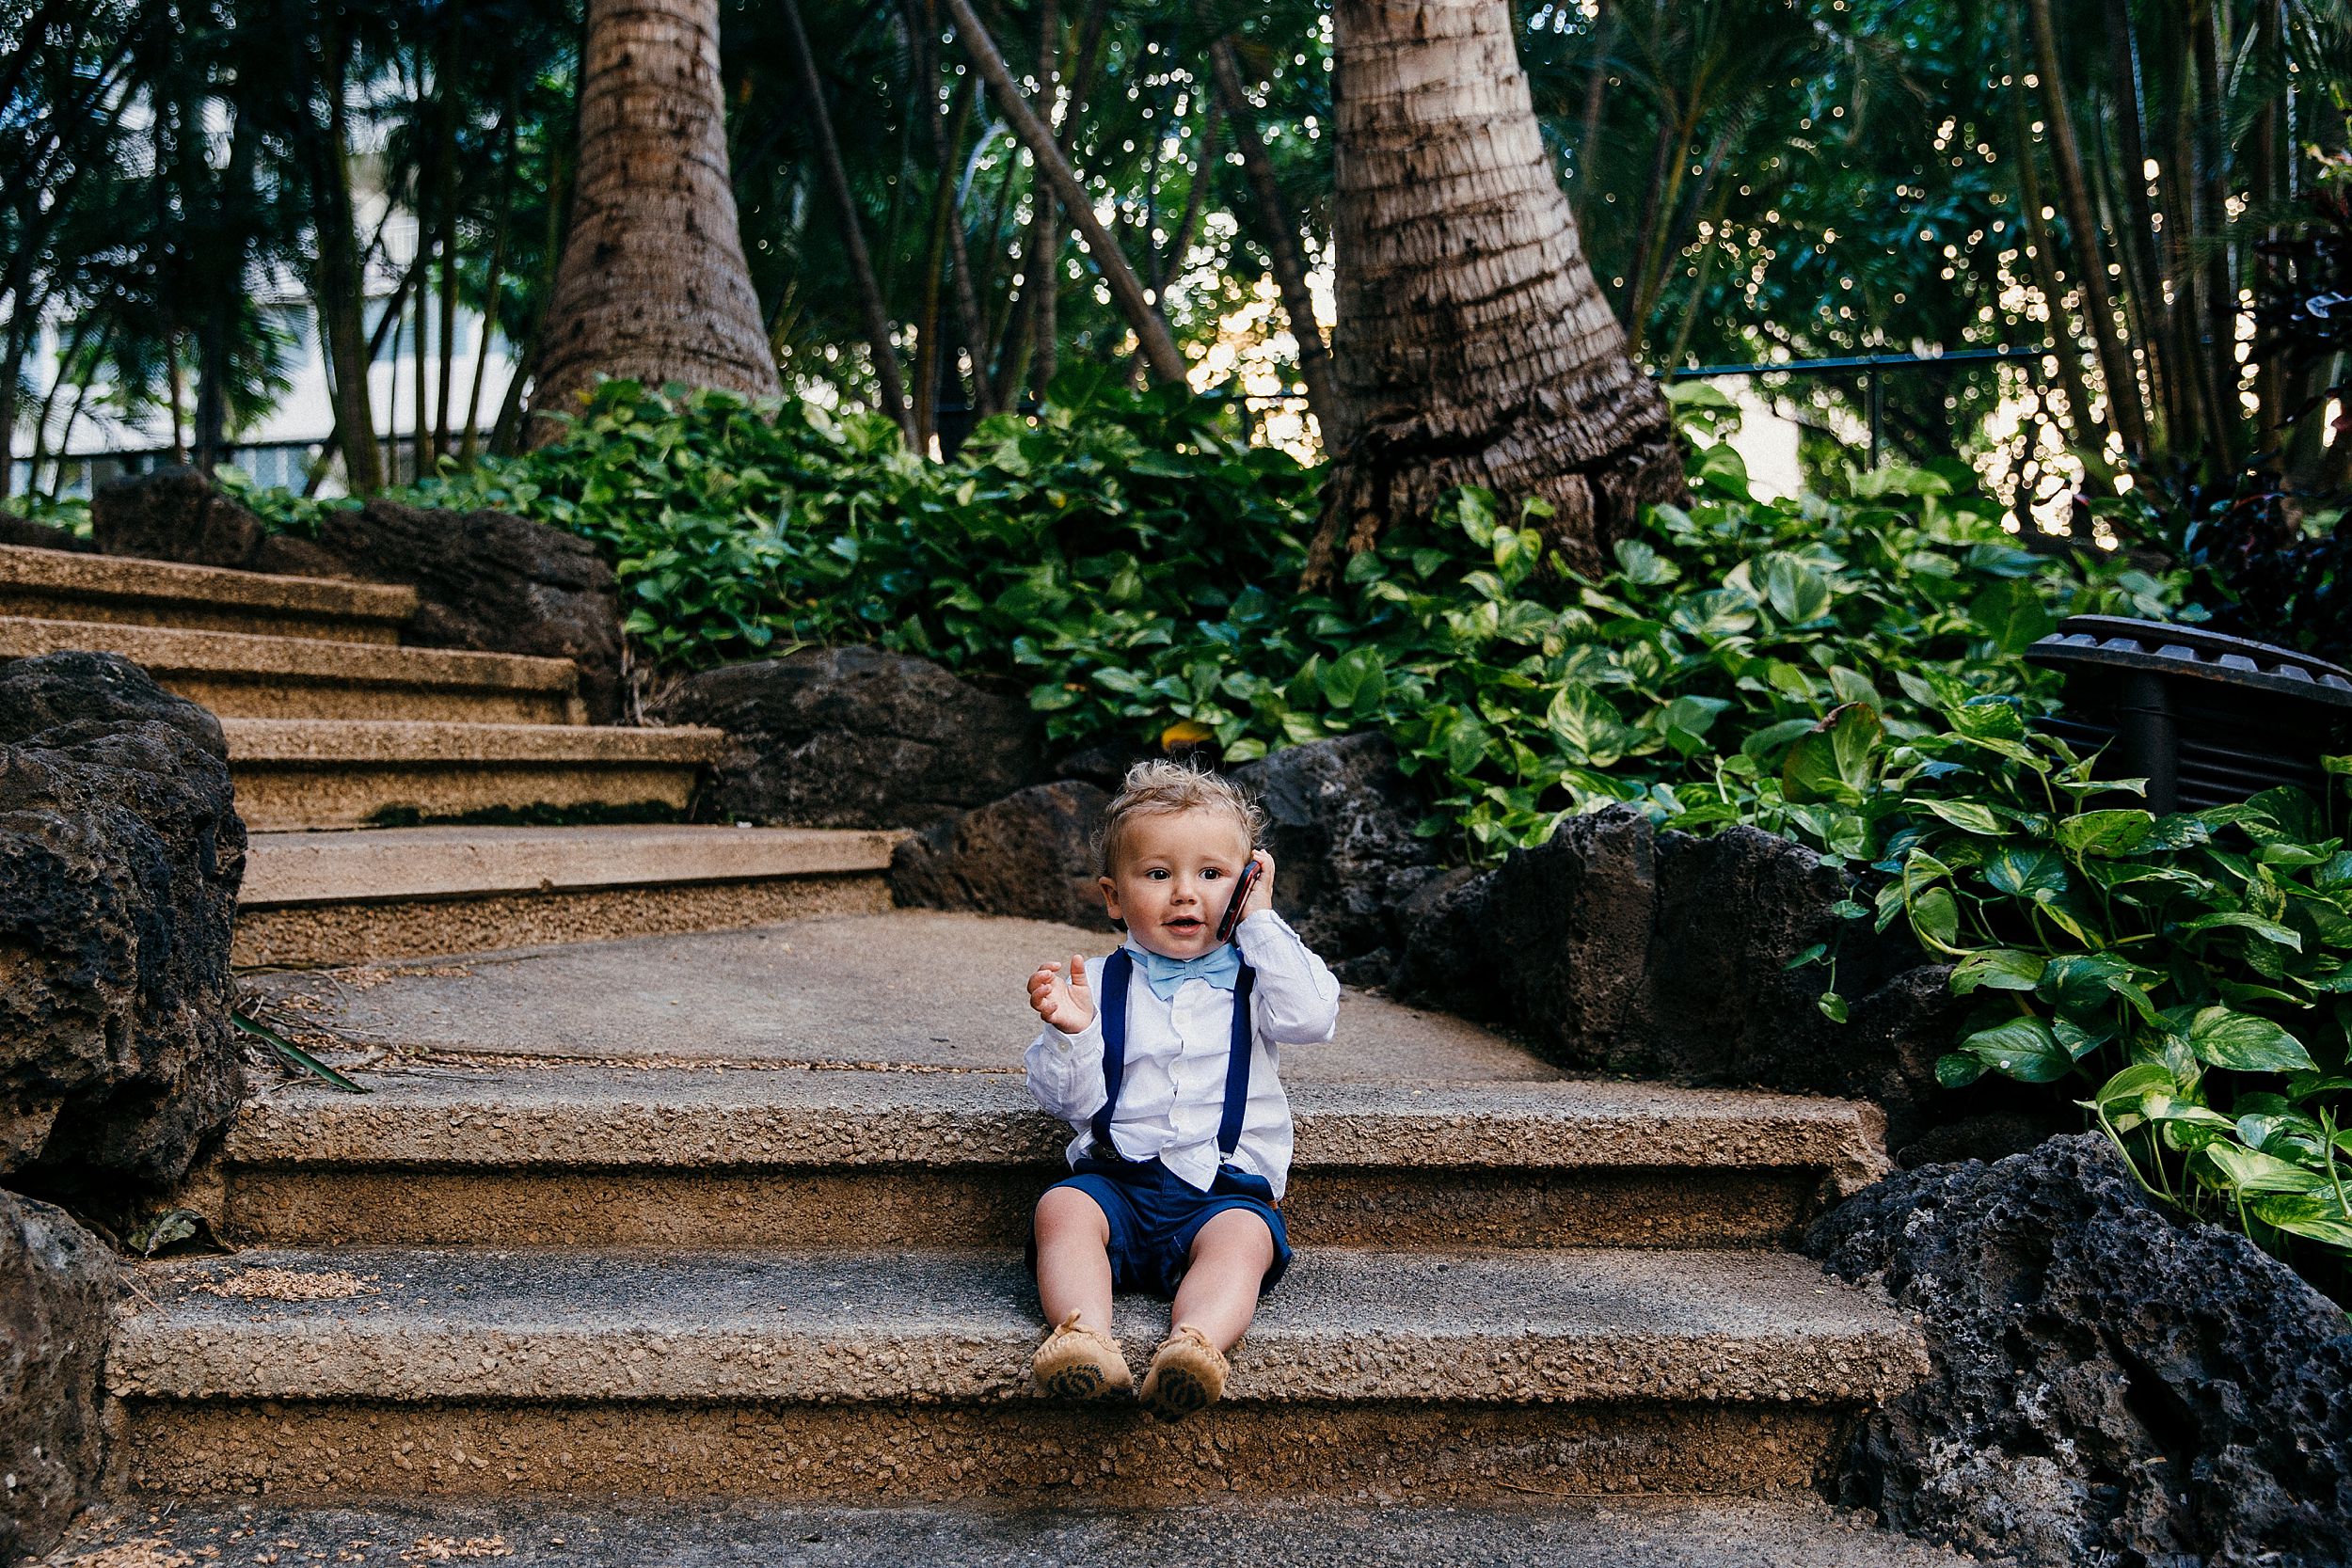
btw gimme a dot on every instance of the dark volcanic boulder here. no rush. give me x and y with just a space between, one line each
57 1281
26 535
120 853
1030 854
174 515
1340 819
485 581
855 738
491 582
2111 1385
1620 949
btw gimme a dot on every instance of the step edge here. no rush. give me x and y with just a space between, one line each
142 578
491 671
402 742
625 1362
586 1126
453 870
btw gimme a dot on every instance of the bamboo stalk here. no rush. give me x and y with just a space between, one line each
2218 287
2115 364
1596 95
2090 434
470 444
1040 286
2149 282
1281 242
1159 348
894 401
1164 264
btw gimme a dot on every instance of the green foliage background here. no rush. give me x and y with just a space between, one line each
1131 560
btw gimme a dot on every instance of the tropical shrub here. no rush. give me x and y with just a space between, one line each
1133 560
2187 977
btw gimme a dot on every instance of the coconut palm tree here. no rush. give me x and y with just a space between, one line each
653 284
1472 345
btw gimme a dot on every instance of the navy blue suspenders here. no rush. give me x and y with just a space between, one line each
1116 974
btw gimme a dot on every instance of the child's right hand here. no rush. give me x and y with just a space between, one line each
1067 1004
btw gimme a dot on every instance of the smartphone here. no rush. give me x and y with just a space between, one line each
1241 896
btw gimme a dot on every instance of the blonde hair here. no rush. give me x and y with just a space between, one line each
1158 787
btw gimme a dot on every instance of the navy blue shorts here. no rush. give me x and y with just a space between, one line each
1154 1215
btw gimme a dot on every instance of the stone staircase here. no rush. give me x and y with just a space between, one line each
682 1222
333 727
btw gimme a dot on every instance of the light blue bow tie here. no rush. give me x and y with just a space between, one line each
1221 969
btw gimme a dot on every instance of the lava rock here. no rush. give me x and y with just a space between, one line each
1104 766
493 583
855 738
1340 819
175 514
25 533
56 1283
120 855
2111 1385
487 581
1613 947
1030 855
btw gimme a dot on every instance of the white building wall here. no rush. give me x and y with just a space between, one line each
278 449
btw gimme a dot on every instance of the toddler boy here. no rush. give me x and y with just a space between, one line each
1162 1057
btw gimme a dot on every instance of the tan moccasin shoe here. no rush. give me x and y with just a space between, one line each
1079 1362
1188 1374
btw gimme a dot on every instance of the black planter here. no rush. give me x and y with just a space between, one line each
2205 719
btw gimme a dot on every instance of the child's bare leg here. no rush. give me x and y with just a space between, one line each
1219 1293
1073 1262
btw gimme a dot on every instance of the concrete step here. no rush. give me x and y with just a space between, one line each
241 675
63 585
399 893
698 1157
918 988
351 772
1786 1532
903 1374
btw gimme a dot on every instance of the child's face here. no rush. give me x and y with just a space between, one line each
1176 871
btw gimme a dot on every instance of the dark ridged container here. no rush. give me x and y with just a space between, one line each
2206 720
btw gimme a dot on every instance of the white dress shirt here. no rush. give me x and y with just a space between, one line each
1172 1096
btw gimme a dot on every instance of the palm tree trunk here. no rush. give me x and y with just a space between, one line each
653 284
1473 346
2114 362
893 399
1159 348
1282 243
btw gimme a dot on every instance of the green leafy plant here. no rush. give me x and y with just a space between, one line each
1132 560
2188 977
